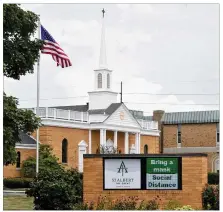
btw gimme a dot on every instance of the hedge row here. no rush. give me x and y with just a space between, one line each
213 178
17 182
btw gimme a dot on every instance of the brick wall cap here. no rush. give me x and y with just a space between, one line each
143 156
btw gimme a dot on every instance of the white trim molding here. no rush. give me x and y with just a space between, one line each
82 149
213 168
189 150
97 126
25 146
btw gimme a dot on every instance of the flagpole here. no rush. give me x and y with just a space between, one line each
37 107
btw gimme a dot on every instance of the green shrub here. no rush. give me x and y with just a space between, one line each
213 178
46 161
58 189
148 205
184 208
84 206
123 203
210 197
172 204
17 182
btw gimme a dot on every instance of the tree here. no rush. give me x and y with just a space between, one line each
14 121
57 189
46 161
21 51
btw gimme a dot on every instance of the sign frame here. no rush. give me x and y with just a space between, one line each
179 159
143 168
119 189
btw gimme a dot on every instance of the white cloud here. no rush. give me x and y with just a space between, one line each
144 43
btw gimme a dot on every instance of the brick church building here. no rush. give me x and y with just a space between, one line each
104 122
79 129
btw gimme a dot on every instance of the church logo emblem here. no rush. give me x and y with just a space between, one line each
122 115
122 169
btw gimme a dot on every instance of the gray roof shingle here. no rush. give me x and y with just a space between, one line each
80 108
212 116
97 111
148 118
112 108
108 111
26 139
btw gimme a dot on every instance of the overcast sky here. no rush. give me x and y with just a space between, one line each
153 48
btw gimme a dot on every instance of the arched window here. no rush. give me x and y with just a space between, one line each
108 80
99 80
217 165
64 150
18 160
146 149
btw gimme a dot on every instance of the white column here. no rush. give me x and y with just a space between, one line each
89 150
126 143
46 112
68 114
82 116
139 142
136 143
101 137
115 139
55 113
104 137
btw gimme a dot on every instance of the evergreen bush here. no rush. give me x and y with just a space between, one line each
210 197
213 178
17 182
57 189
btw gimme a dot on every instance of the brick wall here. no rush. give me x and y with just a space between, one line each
157 116
169 136
192 135
152 142
54 137
194 178
11 170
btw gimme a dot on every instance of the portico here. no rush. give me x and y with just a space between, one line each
123 141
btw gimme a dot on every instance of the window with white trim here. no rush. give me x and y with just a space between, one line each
217 165
64 150
146 149
108 80
179 134
99 80
218 133
18 160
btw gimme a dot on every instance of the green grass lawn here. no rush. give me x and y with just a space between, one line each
17 203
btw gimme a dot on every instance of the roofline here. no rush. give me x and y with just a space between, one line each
127 110
192 111
173 123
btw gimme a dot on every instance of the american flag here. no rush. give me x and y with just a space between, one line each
52 47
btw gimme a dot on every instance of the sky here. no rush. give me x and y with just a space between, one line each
159 49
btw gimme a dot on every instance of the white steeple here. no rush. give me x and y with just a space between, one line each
102 96
103 59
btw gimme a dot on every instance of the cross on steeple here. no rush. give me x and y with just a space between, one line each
103 12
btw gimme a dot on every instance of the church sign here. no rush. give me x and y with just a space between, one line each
162 173
143 173
122 174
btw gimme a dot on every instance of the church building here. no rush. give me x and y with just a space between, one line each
102 124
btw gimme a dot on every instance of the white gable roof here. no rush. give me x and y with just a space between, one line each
122 117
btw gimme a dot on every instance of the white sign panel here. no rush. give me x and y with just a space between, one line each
162 181
122 174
